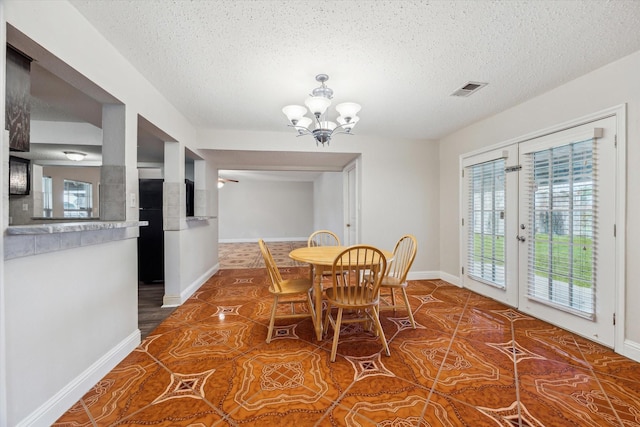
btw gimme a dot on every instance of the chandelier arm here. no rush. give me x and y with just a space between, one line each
342 126
301 129
346 132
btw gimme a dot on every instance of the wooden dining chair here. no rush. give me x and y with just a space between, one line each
285 289
323 238
396 276
357 273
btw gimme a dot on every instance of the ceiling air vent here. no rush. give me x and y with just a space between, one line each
469 88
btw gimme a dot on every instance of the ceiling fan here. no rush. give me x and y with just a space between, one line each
223 181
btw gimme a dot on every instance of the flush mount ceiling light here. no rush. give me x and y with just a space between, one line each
76 156
318 103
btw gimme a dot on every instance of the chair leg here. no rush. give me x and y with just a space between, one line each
393 300
311 307
376 320
406 302
336 335
273 318
325 328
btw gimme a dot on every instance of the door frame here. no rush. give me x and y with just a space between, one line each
351 201
620 113
509 294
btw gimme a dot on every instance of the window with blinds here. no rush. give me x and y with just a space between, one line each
561 182
78 199
486 249
47 197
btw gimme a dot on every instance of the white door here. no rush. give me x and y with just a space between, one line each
350 205
567 224
489 224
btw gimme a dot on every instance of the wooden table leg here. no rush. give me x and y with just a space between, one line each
317 290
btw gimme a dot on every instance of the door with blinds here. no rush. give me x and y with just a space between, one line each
539 227
567 229
490 217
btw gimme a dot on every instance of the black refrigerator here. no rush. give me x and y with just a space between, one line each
151 239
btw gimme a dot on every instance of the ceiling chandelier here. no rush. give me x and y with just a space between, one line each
318 103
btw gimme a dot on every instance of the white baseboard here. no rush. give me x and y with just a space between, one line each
177 300
59 403
433 275
631 350
266 239
454 280
423 275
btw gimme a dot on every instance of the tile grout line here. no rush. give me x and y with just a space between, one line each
453 335
597 378
515 371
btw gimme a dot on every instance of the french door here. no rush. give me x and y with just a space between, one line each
491 207
544 241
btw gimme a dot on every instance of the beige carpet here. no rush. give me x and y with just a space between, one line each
247 255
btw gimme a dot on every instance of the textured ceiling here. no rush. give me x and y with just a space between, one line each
235 64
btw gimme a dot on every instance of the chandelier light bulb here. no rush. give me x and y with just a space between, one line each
326 125
294 113
348 109
348 123
317 105
304 122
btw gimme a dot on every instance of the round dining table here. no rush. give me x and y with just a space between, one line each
318 257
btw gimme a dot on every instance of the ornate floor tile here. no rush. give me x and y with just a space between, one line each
442 410
76 416
124 391
270 386
553 344
483 325
212 340
193 310
471 361
568 400
383 409
511 314
472 372
624 396
440 316
420 287
452 294
484 303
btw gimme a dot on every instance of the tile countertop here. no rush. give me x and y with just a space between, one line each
66 227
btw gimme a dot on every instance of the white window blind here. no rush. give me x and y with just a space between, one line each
78 199
47 197
562 221
486 249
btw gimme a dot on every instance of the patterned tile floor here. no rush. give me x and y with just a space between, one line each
247 255
470 362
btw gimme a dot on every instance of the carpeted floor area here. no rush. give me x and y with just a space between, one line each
470 362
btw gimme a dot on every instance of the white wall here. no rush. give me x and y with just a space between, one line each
82 321
399 184
614 84
250 210
328 203
65 310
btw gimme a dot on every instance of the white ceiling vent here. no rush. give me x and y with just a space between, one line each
469 88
